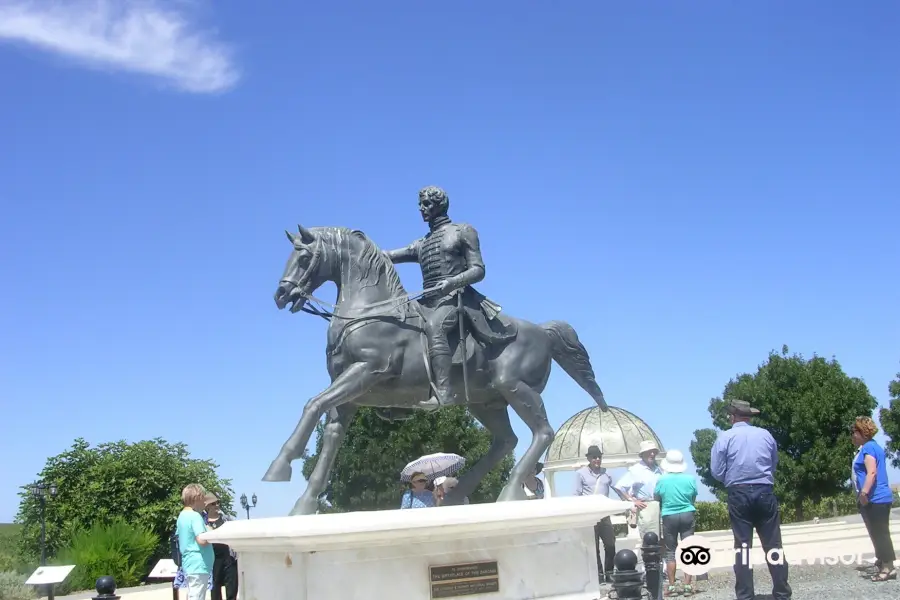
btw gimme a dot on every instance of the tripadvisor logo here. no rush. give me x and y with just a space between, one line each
694 556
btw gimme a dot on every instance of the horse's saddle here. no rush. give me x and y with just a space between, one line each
482 323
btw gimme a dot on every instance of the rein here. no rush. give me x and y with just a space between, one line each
329 314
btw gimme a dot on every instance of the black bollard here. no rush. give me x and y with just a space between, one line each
627 581
651 556
106 589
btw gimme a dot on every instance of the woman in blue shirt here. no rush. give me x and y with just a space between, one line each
874 495
418 496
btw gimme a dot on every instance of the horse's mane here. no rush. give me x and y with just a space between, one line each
370 258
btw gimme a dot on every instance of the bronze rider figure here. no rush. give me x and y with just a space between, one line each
450 258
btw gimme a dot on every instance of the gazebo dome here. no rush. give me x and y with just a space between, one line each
617 432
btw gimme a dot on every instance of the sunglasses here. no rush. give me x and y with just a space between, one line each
420 481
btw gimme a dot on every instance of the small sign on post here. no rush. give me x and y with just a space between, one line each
167 570
47 577
467 579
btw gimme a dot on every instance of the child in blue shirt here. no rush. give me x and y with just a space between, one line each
196 555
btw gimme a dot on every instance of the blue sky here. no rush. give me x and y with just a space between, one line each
689 184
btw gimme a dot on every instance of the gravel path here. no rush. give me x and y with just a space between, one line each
808 582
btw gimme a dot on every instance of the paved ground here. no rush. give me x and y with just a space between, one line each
808 583
160 591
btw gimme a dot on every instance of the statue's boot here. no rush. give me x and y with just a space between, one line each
443 396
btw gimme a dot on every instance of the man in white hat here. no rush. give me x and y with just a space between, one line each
638 485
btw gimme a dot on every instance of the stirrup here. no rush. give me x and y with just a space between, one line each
434 402
431 403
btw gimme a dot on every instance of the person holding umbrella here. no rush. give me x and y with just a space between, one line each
424 469
418 495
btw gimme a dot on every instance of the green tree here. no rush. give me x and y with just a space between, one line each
701 447
808 406
890 422
140 482
366 474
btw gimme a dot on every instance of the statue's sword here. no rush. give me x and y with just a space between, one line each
462 342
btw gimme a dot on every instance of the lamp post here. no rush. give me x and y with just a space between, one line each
41 491
246 505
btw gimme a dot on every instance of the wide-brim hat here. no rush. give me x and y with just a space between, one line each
594 451
673 462
210 498
742 407
647 446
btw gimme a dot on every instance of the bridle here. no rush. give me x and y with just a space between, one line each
301 284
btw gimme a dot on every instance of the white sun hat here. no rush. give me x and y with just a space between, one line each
673 462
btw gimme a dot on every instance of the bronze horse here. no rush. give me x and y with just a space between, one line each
376 357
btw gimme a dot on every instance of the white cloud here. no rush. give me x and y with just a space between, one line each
149 37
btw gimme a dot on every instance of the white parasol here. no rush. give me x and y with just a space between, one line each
433 465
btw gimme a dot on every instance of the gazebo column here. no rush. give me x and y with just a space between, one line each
550 488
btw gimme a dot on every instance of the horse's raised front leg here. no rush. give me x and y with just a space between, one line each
333 436
529 405
355 381
495 418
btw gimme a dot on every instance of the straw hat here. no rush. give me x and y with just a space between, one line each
647 446
742 408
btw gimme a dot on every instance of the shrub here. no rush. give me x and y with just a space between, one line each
711 516
119 549
10 559
12 587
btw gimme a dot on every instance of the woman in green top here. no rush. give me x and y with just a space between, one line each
676 492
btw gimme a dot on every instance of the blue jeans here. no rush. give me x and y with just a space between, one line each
752 507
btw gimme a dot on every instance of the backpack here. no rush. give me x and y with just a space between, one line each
174 549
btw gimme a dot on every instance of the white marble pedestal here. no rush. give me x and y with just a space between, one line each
503 551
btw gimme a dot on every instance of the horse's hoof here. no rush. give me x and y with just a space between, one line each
305 507
279 470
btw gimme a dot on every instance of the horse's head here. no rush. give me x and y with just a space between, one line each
301 273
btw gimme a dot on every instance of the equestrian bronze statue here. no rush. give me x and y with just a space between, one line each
447 344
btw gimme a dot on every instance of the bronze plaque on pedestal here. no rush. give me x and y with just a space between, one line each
467 579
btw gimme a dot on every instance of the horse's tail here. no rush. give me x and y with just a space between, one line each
573 357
